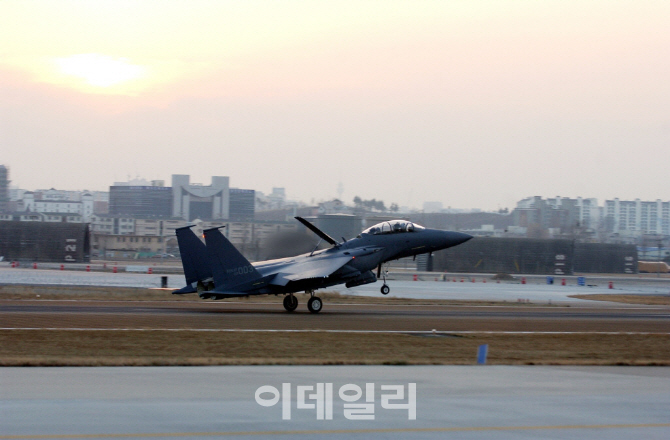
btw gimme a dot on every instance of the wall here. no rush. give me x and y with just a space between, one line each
45 241
535 256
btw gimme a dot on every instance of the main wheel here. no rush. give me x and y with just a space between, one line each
314 304
385 289
202 287
290 303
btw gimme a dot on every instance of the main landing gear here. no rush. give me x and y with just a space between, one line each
290 303
314 304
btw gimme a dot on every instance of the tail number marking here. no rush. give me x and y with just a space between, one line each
242 270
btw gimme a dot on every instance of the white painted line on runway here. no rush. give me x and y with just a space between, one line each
240 330
336 431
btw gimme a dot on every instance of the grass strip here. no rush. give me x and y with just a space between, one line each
161 347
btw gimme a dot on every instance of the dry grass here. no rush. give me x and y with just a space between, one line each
165 347
651 300
161 347
19 291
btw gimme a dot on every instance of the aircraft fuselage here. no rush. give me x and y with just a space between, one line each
367 252
218 270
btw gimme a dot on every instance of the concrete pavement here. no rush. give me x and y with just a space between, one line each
480 402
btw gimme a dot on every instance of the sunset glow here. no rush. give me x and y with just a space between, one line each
99 70
481 92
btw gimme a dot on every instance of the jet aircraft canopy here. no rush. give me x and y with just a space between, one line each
393 226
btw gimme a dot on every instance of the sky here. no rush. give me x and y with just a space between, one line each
474 104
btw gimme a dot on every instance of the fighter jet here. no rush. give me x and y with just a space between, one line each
217 270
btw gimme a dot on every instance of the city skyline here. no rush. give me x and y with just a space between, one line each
471 104
523 203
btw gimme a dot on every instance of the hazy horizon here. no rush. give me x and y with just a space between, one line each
474 104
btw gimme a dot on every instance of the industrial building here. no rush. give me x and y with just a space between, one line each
536 256
44 241
153 201
183 200
242 204
256 240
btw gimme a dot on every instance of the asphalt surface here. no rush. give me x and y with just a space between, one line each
456 402
356 316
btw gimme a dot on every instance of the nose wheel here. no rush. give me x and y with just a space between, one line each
383 272
290 303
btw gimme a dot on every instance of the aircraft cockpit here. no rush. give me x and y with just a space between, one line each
393 226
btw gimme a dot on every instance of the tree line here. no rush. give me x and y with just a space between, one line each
374 205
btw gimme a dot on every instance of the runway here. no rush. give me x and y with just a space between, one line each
461 402
246 314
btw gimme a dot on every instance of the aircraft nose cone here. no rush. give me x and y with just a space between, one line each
459 238
451 238
446 239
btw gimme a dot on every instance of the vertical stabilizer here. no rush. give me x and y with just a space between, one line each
193 258
229 267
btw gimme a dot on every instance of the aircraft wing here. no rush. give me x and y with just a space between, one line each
318 268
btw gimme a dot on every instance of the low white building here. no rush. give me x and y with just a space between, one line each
83 208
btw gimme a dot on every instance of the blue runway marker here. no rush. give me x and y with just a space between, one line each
482 352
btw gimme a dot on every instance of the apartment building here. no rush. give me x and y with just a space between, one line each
637 217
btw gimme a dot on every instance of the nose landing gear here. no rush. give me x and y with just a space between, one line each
385 289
